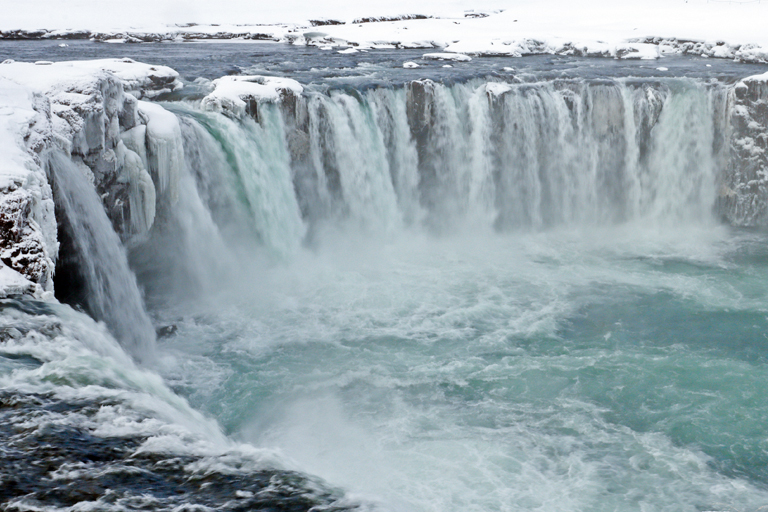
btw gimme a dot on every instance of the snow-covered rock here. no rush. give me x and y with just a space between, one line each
643 51
238 96
744 191
82 109
456 57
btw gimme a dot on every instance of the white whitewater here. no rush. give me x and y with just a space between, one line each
112 293
424 306
517 156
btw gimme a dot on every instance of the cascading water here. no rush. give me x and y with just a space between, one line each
504 155
472 296
112 294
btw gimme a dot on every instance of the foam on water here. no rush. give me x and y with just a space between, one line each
497 372
462 297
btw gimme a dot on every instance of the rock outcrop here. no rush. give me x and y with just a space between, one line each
743 198
90 111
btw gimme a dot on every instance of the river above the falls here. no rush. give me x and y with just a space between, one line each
311 64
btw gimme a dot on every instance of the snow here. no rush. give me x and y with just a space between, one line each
758 78
139 79
727 29
497 88
636 51
72 106
13 284
457 57
232 94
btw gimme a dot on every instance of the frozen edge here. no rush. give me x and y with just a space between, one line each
44 106
339 35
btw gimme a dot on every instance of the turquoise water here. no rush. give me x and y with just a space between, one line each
616 368
516 298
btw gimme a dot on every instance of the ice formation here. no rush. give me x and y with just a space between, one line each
87 110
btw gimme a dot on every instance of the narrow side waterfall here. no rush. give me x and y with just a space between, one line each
111 292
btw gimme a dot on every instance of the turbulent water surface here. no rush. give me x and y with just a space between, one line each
519 298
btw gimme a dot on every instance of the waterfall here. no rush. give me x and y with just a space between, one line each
111 292
252 162
512 156
423 156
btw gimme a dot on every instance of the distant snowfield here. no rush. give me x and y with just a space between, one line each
730 28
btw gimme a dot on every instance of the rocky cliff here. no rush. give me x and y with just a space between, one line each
93 112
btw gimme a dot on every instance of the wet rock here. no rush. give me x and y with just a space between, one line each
743 194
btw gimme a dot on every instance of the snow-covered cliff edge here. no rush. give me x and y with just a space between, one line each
92 112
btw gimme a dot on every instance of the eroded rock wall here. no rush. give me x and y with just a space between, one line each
91 112
743 198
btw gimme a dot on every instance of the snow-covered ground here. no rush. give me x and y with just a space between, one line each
730 28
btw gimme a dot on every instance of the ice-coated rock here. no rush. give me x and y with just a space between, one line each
238 96
28 243
165 150
89 111
743 198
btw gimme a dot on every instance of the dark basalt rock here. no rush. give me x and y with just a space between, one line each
322 23
38 443
379 19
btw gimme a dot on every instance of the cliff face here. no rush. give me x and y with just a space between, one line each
743 197
131 150
91 112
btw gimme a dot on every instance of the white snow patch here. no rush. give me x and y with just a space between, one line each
637 51
758 78
456 57
13 284
497 88
232 94
141 80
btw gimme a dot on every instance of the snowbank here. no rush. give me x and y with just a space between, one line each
139 79
727 29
